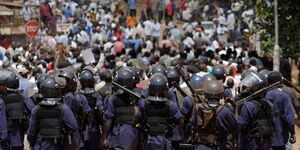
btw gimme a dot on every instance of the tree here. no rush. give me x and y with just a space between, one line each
289 26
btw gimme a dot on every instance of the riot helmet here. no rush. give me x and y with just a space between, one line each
173 77
158 69
274 76
158 85
12 81
136 74
125 77
4 74
87 79
209 77
49 88
246 73
40 79
230 83
252 82
219 73
197 83
213 92
69 74
265 74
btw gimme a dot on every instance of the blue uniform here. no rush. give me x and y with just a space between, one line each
17 128
225 123
3 125
284 116
123 136
227 93
161 142
48 144
78 104
246 118
91 134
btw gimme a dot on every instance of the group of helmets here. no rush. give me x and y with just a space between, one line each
54 85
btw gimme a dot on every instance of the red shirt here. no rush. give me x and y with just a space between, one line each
119 46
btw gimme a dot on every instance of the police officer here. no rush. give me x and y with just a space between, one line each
78 104
122 115
4 74
158 69
136 81
214 125
284 117
160 113
92 131
18 109
219 73
37 97
52 125
255 119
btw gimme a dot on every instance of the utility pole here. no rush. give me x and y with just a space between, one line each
276 60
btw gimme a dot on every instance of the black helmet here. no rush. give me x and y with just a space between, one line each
136 74
50 89
125 77
246 73
213 92
12 81
158 85
40 79
197 82
173 77
274 76
230 82
87 79
158 69
4 74
265 74
253 82
219 73
209 77
70 76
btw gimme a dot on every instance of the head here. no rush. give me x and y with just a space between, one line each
70 77
40 79
12 81
50 88
158 69
274 76
158 85
230 82
173 77
209 77
265 73
197 83
136 75
252 82
213 92
125 77
87 79
219 73
4 74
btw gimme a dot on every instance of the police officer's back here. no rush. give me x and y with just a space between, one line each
255 118
94 120
18 109
160 114
52 124
214 126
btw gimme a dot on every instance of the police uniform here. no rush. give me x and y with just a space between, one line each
124 134
42 125
18 109
158 120
3 126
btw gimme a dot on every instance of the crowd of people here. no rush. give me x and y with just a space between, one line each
171 77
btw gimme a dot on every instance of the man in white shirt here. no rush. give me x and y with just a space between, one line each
148 28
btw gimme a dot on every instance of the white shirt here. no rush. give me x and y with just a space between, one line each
231 21
148 27
156 30
189 42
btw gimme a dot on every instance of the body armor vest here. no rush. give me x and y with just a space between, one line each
14 104
97 111
49 121
263 126
125 110
206 124
158 114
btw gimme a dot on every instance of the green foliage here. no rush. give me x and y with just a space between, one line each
289 26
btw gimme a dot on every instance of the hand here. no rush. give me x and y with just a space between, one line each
293 139
104 144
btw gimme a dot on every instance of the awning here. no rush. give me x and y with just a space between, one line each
12 30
